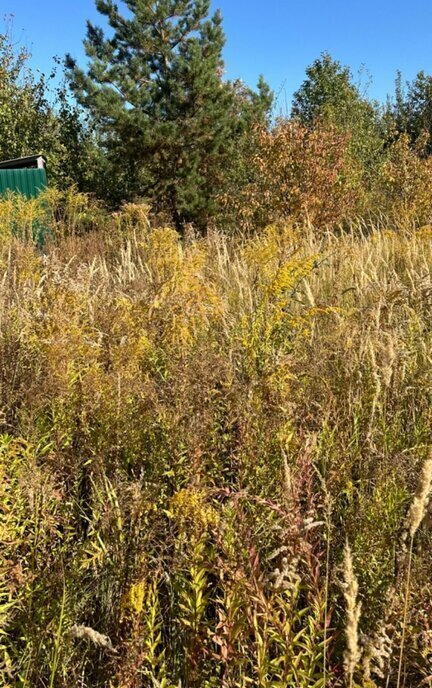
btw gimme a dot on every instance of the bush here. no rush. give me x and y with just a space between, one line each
403 184
299 173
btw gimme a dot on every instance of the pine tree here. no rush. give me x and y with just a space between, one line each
167 119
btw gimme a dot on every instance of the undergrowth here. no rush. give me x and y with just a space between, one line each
210 453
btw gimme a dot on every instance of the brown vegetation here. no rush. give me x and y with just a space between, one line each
192 430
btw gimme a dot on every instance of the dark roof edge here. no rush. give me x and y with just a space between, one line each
27 161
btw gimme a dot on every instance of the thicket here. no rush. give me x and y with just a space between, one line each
215 455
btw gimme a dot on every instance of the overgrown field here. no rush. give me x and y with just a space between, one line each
215 458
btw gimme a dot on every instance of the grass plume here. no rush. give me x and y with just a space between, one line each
353 609
191 430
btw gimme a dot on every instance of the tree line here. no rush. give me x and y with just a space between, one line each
153 118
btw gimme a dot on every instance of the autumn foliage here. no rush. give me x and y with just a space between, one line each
302 173
214 454
215 378
404 183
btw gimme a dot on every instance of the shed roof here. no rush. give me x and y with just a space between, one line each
29 161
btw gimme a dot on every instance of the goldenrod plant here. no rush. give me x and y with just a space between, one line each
214 452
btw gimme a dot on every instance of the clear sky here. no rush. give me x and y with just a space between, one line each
278 38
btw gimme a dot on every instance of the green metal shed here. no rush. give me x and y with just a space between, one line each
25 175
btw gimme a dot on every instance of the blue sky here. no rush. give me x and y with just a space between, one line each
278 38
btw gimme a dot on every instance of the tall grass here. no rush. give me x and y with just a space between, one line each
191 431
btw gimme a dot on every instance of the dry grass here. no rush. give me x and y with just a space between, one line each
185 424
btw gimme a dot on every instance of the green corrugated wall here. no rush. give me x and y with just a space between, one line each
29 182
